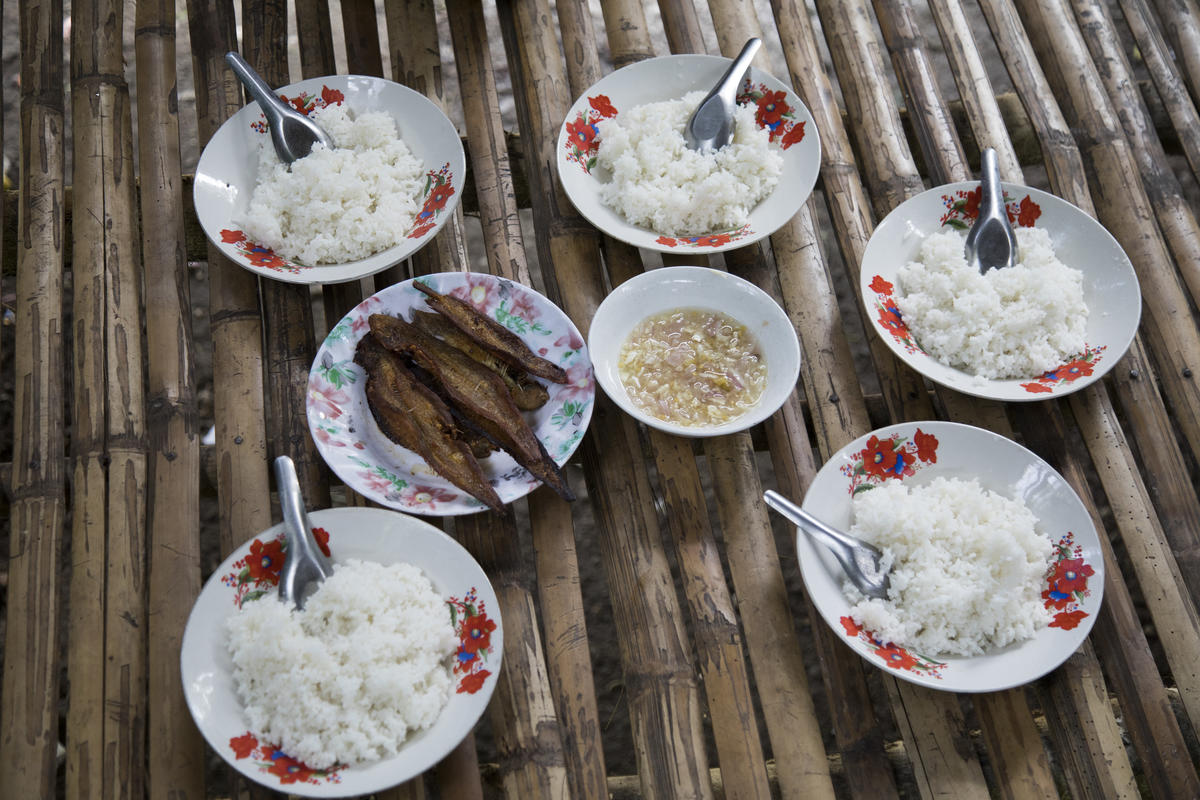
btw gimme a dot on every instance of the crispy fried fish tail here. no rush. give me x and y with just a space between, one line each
416 418
528 394
476 391
491 335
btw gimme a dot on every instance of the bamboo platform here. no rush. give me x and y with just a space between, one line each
733 687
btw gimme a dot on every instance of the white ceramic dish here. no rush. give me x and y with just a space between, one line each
1110 285
670 78
916 453
376 467
695 287
227 170
251 574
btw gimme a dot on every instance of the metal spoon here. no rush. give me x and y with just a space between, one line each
304 565
292 133
859 559
991 243
711 124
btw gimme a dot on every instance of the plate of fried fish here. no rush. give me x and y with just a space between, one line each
450 394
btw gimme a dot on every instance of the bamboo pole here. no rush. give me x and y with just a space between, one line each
417 63
1147 32
176 750
107 643
316 38
286 307
1123 207
363 53
528 734
1181 25
243 487
29 702
626 31
664 707
683 26
1174 213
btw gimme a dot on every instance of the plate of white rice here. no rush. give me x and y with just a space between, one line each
624 165
394 177
1052 324
996 569
387 669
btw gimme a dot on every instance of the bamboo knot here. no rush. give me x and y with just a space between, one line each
1187 372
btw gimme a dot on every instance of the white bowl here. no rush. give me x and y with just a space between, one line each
351 443
695 287
670 78
227 172
950 450
1110 285
369 534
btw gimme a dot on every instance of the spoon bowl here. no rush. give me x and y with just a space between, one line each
991 242
292 133
304 565
861 561
711 124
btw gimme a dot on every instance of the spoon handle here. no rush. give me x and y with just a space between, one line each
727 88
991 201
304 563
271 105
842 546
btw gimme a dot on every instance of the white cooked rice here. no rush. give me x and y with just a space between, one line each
659 183
341 204
349 677
967 567
1016 322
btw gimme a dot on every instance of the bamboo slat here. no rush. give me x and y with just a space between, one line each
528 734
718 639
1176 218
175 749
627 34
29 702
243 488
107 643
1167 81
1122 205
682 25
316 38
1181 24
363 53
286 307
663 702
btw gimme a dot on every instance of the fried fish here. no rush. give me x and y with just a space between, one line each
491 335
414 417
476 391
528 394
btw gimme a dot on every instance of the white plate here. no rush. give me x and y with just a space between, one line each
1110 285
927 450
695 287
376 467
228 168
369 534
670 78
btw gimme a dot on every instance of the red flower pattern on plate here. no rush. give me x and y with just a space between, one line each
474 630
439 188
888 314
895 457
707 240
773 112
1080 366
258 572
583 135
893 655
1067 584
962 208
273 761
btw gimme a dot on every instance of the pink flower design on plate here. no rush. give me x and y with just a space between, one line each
579 382
483 294
329 401
427 495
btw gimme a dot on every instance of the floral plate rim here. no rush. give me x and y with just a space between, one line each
350 532
929 449
350 442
